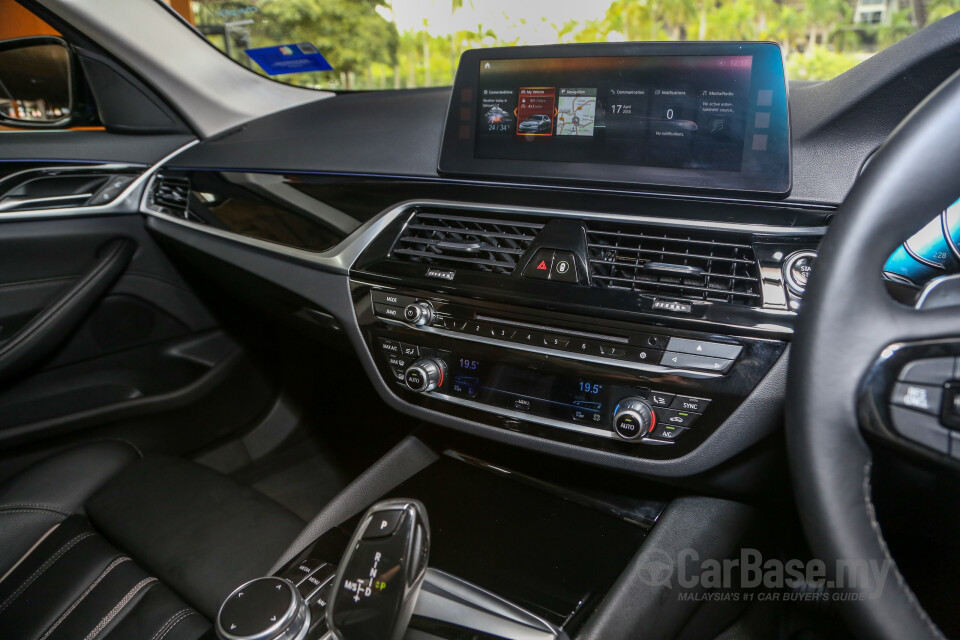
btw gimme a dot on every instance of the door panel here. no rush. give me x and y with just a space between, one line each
148 348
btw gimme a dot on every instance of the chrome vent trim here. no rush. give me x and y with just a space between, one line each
452 239
674 263
171 195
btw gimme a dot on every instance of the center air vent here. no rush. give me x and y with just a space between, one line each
171 195
493 244
689 264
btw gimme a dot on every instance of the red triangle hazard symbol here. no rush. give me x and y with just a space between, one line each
542 266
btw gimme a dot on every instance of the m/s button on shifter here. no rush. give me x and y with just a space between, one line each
379 578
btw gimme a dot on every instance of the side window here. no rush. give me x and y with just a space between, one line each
37 78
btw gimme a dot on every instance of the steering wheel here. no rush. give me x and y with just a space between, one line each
851 342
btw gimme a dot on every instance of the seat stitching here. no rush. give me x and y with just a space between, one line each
172 622
4 512
901 581
124 601
173 626
46 565
83 595
29 551
33 505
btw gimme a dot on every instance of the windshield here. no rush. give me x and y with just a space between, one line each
369 45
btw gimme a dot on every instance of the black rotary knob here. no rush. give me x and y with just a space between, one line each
418 313
263 609
634 419
426 374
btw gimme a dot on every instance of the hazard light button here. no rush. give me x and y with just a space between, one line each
540 265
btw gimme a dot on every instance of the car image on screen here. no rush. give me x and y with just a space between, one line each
536 124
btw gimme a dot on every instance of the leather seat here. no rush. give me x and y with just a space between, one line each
100 542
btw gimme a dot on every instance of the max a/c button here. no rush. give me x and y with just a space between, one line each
383 524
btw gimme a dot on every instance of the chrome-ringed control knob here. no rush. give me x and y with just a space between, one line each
267 608
424 375
634 419
418 313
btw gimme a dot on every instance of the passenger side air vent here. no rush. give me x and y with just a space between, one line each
493 244
171 195
677 263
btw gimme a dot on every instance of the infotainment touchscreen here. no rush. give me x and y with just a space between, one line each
696 115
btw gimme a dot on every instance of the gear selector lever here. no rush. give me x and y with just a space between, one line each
379 577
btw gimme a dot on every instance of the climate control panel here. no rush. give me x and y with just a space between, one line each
649 391
589 405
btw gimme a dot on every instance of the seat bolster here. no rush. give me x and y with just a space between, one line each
35 500
63 482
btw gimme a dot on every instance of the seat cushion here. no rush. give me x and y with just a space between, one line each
98 543
197 530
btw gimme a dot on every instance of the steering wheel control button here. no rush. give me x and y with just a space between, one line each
921 428
540 265
659 399
392 299
686 403
383 523
703 348
699 363
263 609
951 407
634 419
564 267
917 396
933 371
796 270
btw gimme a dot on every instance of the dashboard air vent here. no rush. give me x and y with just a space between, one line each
677 263
493 244
171 195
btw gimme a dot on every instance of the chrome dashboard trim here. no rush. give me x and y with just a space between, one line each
341 258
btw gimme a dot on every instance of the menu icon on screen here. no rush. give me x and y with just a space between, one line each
535 111
576 112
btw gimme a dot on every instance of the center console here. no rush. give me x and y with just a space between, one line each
634 337
509 556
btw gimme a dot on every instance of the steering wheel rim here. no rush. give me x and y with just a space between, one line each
846 320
